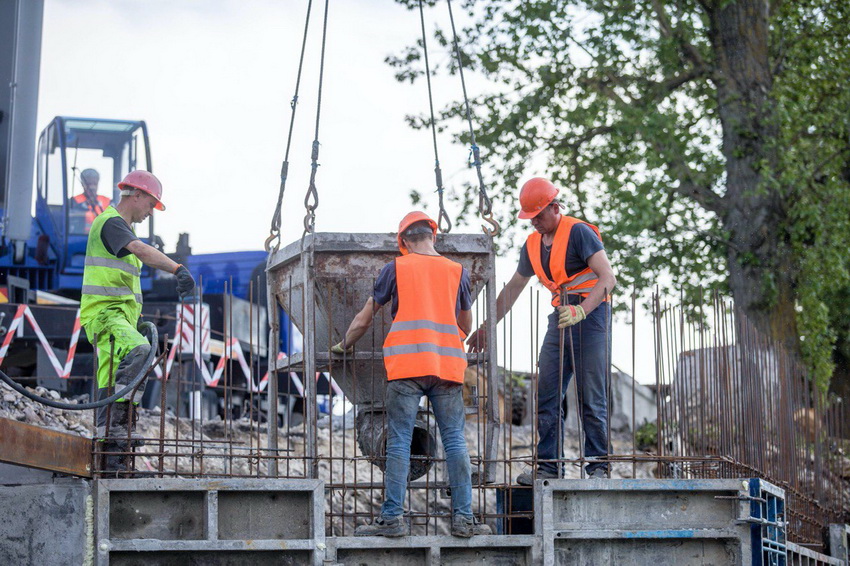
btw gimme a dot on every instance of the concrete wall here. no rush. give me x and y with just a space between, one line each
209 521
43 517
639 522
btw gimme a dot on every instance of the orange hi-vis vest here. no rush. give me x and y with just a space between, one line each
425 338
580 283
93 208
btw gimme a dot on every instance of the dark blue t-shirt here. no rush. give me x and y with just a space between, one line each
583 244
385 290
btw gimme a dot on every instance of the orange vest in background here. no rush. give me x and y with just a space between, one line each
580 283
92 211
425 338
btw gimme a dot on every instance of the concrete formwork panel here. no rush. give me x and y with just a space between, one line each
838 547
44 523
491 556
435 550
169 515
200 558
192 521
678 552
656 510
264 515
643 521
383 556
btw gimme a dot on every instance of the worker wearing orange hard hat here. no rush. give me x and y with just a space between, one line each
568 258
423 352
111 302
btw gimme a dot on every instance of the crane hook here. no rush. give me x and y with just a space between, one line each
496 228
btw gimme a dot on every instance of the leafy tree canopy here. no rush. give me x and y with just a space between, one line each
709 140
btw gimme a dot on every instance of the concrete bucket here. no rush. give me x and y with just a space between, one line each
323 288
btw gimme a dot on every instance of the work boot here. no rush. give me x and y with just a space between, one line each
598 474
115 459
467 527
120 417
381 527
527 478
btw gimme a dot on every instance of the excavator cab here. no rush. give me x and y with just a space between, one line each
80 163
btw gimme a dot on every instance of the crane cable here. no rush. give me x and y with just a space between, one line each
438 173
311 199
485 206
274 233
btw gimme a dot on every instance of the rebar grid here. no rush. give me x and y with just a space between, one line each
729 392
730 403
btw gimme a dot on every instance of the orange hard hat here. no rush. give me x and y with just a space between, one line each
535 195
144 181
409 219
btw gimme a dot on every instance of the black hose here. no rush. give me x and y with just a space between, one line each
153 337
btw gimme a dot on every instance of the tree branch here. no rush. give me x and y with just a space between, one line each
667 30
704 196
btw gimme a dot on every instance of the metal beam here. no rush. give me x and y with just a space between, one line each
36 447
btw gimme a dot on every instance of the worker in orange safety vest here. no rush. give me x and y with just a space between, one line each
423 355
568 258
89 202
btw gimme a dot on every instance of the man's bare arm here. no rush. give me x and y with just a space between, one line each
151 256
361 323
600 266
464 321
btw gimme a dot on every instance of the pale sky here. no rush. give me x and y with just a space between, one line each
213 79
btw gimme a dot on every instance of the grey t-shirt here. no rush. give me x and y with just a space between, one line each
115 235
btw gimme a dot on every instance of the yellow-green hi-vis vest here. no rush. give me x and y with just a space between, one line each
109 281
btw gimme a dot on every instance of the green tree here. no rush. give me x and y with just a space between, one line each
708 139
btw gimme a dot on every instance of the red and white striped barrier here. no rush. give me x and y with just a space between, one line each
16 327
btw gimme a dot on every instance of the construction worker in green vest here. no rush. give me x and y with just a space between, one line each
111 301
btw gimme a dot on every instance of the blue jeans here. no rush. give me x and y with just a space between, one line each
591 350
446 399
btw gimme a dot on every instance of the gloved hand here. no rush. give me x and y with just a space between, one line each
185 282
570 315
339 350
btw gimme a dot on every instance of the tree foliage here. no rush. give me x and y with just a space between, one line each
707 138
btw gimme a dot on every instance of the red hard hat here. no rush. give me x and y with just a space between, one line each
409 219
144 181
535 195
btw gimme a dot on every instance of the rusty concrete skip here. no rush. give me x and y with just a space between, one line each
36 447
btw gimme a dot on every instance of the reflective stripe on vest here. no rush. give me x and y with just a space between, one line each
114 263
111 292
580 283
424 338
109 282
417 348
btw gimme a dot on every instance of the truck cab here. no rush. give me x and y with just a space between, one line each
64 210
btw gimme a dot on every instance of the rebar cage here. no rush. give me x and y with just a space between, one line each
726 403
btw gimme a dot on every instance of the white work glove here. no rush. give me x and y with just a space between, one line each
570 315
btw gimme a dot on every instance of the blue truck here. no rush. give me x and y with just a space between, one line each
45 270
44 222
